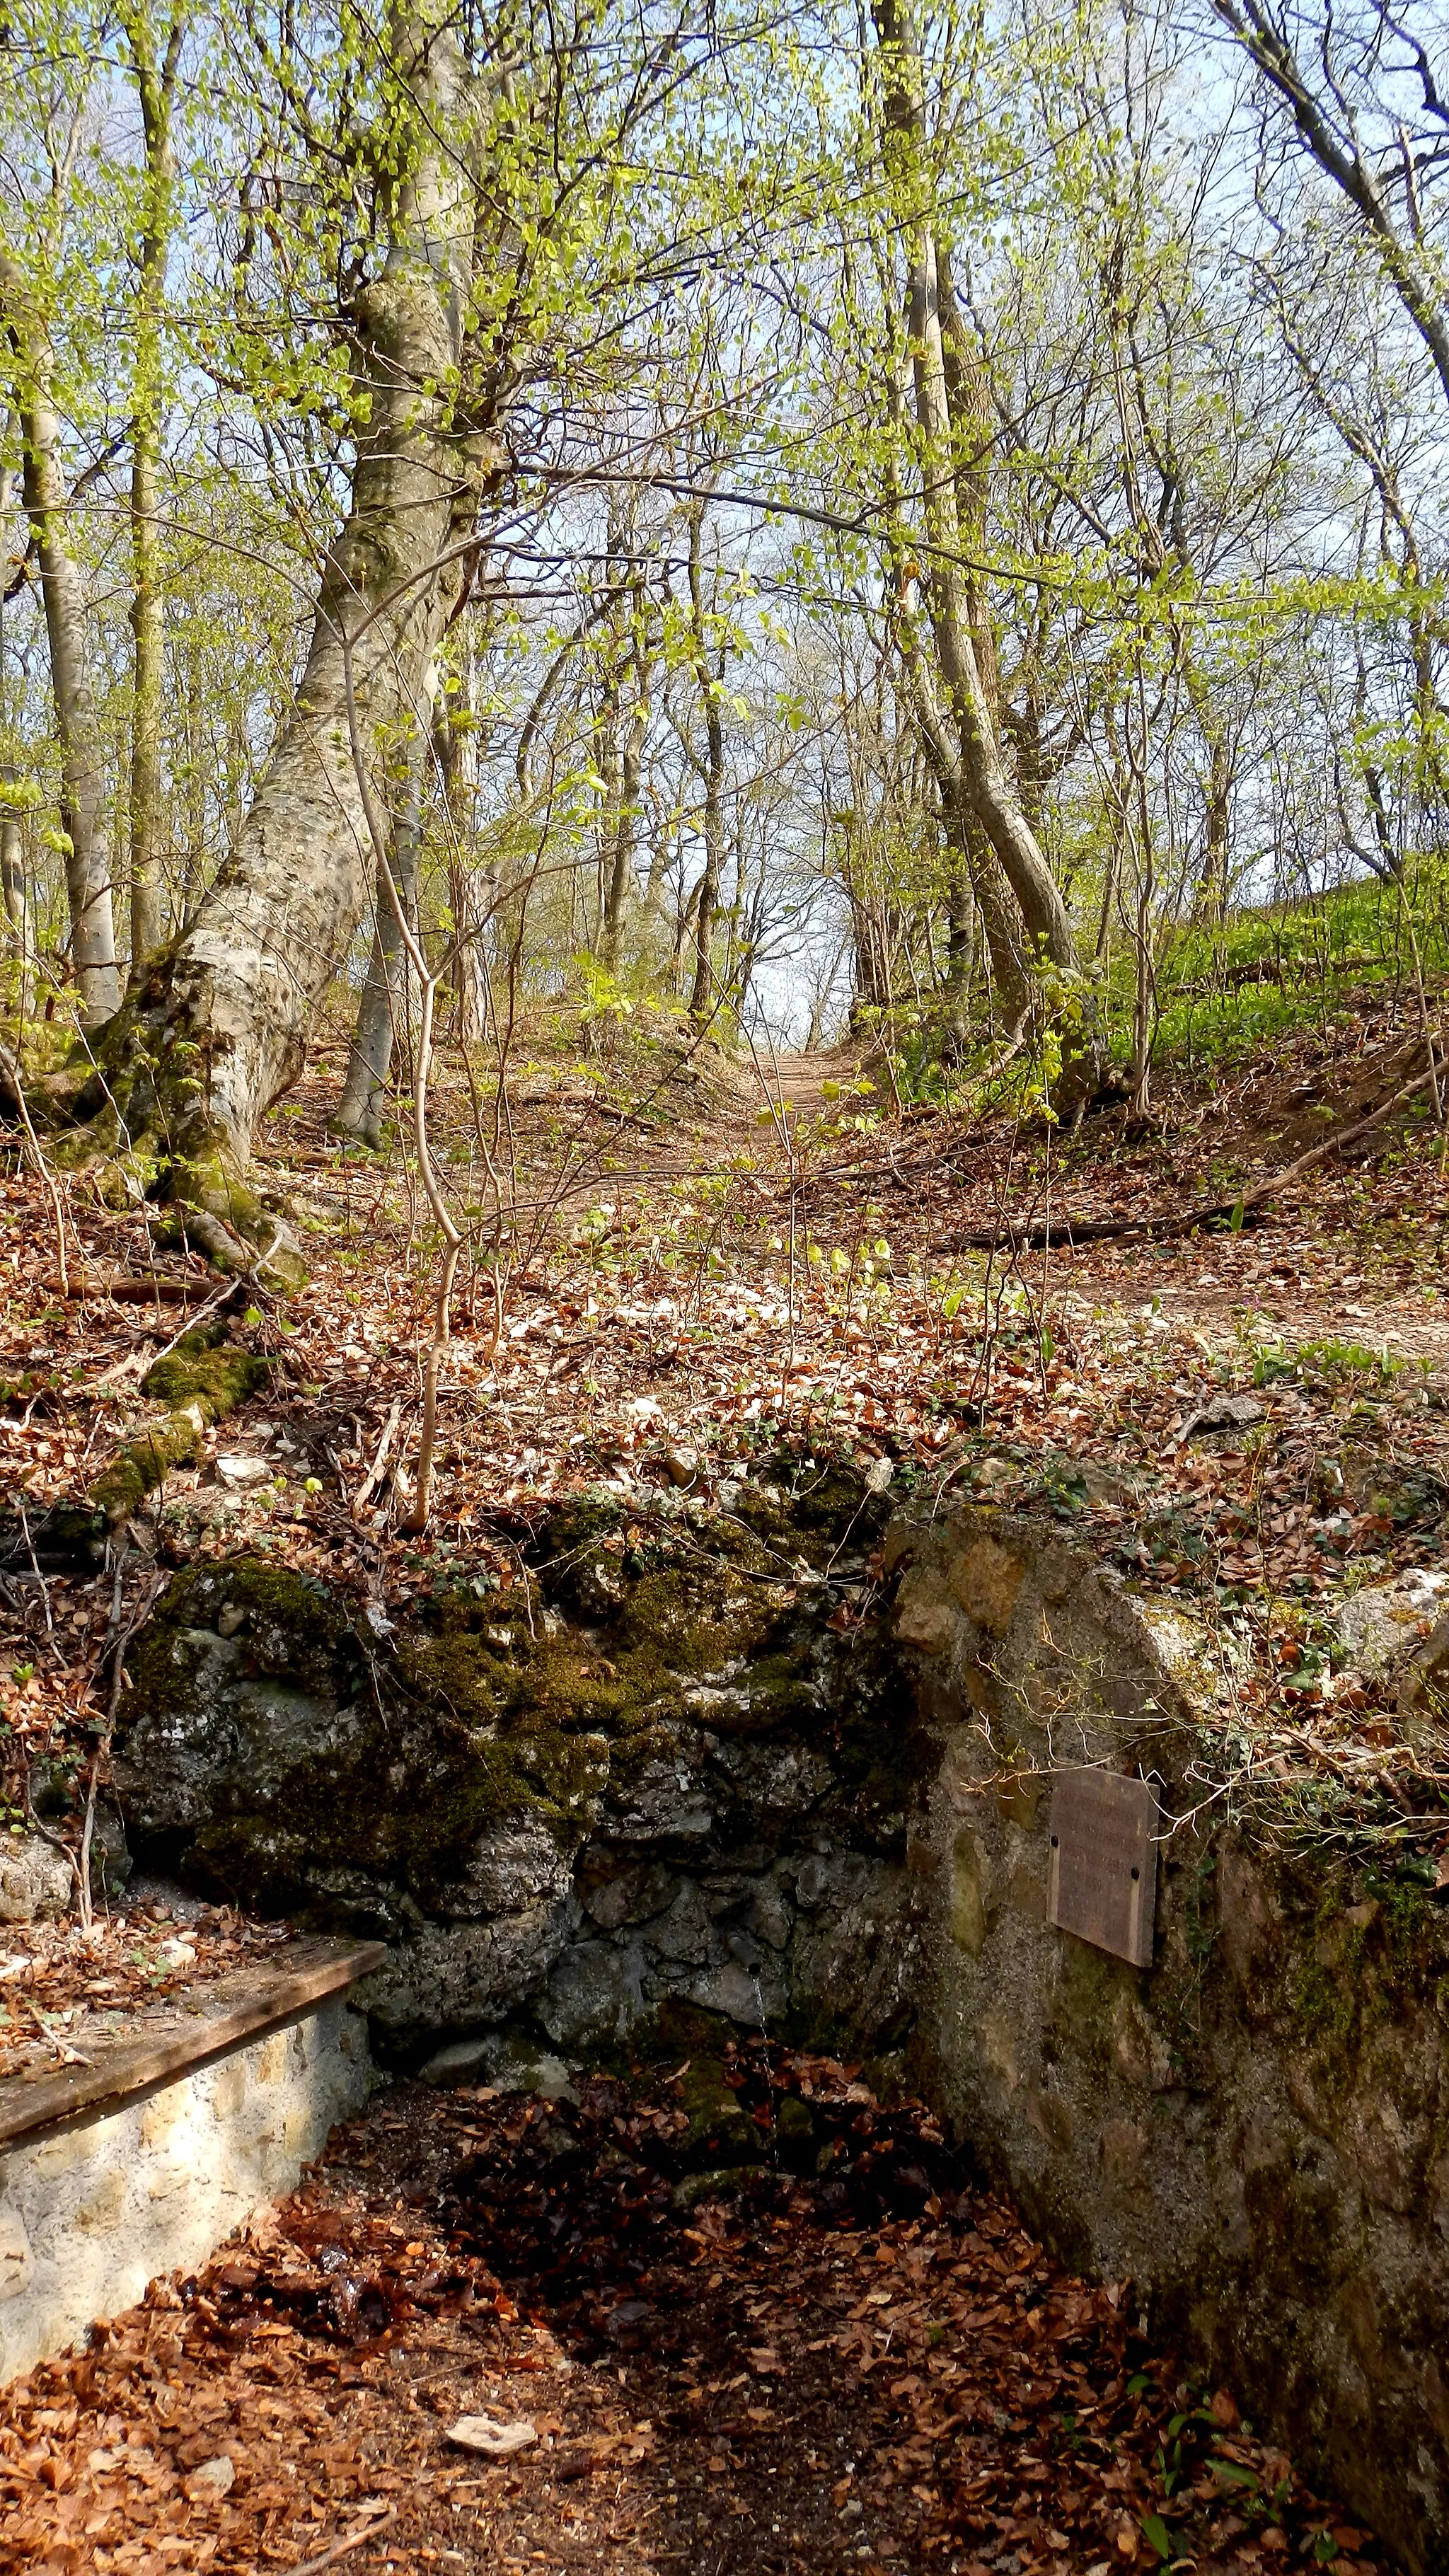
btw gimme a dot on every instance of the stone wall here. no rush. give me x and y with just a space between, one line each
1253 2133
90 2212
720 1762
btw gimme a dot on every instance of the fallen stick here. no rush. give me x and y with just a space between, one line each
128 1288
364 2531
375 1473
1039 1238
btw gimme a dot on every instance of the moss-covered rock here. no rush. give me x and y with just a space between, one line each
207 1370
591 1793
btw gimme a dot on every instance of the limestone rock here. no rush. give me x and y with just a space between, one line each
614 1897
1383 1625
925 1613
459 1976
37 1884
515 1864
504 2060
594 1998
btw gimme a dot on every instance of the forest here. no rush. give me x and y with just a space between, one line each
913 527
724 1180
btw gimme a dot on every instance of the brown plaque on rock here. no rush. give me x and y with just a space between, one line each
1103 1879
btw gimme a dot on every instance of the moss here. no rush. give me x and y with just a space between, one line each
206 1370
560 1684
1326 2000
123 1486
577 1524
73 1148
290 1628
775 1692
203 1380
809 1506
207 1181
699 1624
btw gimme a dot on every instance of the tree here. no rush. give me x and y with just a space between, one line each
993 800
26 331
1371 118
155 78
217 1026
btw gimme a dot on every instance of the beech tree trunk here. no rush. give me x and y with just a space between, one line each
626 824
12 869
710 687
87 862
359 1112
956 603
218 1024
978 866
156 85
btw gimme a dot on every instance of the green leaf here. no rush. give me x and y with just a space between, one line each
1157 2535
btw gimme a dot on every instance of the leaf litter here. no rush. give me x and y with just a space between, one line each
842 2353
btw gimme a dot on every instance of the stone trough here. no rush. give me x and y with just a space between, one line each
783 1763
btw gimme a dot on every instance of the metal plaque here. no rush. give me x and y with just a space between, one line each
1103 1878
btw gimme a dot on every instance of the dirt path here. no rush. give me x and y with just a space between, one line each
799 1080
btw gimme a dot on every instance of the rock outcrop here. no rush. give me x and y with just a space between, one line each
652 1771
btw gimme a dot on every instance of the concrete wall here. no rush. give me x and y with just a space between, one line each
1254 2130
90 2213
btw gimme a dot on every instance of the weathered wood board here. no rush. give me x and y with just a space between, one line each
1102 1879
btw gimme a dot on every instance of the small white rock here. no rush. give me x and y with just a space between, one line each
213 2479
237 1470
490 2439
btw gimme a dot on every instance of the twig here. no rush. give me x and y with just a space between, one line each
349 2540
102 1752
35 1567
374 1476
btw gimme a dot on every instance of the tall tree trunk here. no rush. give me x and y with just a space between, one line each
12 868
977 861
217 1028
1212 896
472 891
991 793
711 685
959 644
621 874
359 1112
156 87
960 947
87 864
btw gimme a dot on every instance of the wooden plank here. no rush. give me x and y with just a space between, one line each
239 2007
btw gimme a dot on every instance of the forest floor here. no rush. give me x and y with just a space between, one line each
883 2375
723 1257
